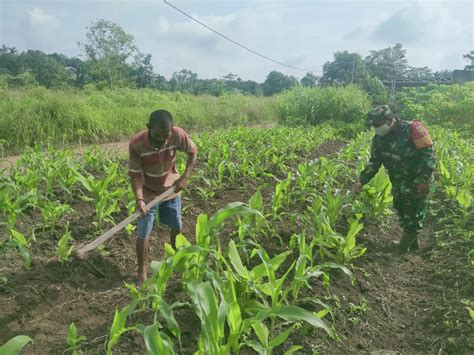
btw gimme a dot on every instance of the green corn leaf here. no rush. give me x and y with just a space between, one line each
157 343
14 345
259 271
18 238
236 260
262 333
72 335
293 349
118 325
181 241
296 314
230 210
281 338
464 198
168 316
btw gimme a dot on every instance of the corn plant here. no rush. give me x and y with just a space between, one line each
118 327
281 196
342 249
212 313
14 206
51 212
265 345
73 340
18 240
64 250
375 199
305 176
106 201
333 203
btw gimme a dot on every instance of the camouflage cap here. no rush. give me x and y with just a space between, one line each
378 115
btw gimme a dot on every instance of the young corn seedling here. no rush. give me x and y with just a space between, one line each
73 340
118 326
18 240
304 177
52 212
212 314
375 199
342 249
281 197
64 250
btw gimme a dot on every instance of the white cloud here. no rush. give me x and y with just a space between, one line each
38 17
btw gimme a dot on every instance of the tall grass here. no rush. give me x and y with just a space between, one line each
316 105
39 115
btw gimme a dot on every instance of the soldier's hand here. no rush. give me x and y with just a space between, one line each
423 189
357 187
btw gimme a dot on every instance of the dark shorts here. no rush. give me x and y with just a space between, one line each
169 213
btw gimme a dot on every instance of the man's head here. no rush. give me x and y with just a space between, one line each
160 125
381 118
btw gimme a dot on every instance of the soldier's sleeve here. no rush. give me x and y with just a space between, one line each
425 154
372 166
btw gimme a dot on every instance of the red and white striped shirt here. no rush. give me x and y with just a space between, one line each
157 166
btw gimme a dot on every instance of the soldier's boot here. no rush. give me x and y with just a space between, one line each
408 241
416 243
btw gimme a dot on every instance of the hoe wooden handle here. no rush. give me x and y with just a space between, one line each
81 253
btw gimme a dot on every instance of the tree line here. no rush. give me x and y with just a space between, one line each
112 59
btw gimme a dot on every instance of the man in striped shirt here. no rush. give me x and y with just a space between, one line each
152 169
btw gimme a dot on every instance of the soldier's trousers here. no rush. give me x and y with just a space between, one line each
410 207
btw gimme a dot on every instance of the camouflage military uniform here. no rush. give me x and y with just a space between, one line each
407 155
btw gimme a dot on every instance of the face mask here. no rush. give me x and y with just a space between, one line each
382 130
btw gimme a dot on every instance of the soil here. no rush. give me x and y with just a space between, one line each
395 306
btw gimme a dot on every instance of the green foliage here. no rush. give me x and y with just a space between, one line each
14 345
64 250
277 82
346 68
73 340
316 105
91 116
450 106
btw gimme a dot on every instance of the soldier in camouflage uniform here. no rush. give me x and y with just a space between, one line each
406 151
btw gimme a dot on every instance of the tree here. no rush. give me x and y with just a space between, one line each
388 63
469 57
143 70
419 73
46 69
277 82
346 68
309 80
183 80
108 48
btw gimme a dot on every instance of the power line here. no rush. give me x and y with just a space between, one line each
239 44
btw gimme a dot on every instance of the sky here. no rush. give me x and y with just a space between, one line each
301 33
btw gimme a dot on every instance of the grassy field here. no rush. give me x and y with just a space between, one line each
59 118
300 264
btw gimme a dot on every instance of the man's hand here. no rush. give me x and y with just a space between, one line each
141 206
423 189
181 183
357 187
